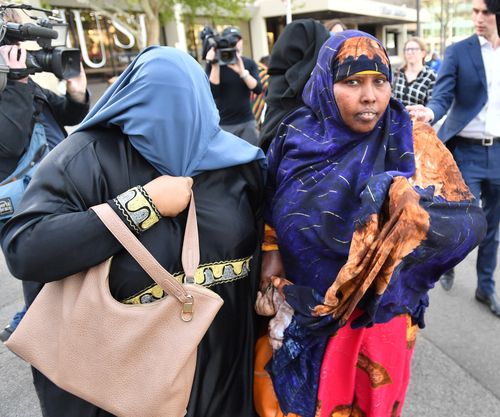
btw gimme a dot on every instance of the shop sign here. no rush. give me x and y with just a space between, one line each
393 11
101 38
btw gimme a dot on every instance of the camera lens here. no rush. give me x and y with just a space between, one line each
225 56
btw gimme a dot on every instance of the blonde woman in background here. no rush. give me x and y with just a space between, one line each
414 81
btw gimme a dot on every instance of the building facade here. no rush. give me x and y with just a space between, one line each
449 22
109 39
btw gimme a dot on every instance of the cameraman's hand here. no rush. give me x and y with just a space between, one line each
211 56
15 58
170 195
238 67
76 87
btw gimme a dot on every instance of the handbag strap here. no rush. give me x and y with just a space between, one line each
190 253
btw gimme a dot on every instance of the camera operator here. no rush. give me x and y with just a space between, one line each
231 85
23 105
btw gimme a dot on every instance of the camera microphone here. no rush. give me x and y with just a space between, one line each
31 31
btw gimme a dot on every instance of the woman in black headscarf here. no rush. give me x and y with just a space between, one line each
292 61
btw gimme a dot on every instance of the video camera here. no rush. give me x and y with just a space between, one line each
224 45
50 33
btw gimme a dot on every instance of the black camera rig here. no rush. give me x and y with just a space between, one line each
50 33
224 46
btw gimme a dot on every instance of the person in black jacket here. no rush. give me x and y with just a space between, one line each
231 86
291 62
24 103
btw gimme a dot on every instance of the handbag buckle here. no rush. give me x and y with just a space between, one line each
188 309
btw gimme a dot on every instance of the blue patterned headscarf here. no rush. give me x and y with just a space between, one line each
327 182
163 103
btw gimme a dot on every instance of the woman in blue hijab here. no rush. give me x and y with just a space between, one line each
364 211
152 138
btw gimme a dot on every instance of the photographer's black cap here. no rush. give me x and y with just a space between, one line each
231 31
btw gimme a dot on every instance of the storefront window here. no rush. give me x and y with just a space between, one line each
107 43
391 43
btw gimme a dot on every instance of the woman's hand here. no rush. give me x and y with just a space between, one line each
210 57
170 195
272 265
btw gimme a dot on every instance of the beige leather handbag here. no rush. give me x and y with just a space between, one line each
130 360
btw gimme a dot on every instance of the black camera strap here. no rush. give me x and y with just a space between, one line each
18 73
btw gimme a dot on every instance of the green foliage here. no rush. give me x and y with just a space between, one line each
158 12
229 8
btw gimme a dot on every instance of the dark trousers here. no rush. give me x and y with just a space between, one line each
30 291
480 168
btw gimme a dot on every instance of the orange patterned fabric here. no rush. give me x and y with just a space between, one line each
379 247
265 401
270 241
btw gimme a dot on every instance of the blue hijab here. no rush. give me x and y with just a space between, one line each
163 103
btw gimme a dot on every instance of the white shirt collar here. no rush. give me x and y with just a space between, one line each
483 41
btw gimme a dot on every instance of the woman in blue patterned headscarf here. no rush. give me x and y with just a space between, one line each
366 214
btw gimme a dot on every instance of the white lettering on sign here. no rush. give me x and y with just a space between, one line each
92 38
123 29
83 43
393 11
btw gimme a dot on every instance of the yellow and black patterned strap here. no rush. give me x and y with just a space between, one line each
138 209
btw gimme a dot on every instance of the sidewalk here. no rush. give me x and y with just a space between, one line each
456 367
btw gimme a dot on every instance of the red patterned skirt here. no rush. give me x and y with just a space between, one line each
365 372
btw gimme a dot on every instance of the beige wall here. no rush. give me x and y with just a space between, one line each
270 8
273 8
